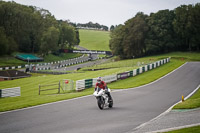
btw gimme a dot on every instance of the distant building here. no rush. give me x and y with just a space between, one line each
12 74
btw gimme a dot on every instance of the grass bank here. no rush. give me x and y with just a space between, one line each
191 103
94 39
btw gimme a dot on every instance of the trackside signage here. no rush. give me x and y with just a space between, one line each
122 75
89 52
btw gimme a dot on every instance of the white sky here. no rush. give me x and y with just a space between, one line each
106 12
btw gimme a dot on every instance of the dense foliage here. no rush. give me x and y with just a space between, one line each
31 29
161 32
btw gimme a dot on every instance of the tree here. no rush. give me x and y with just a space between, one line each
7 44
195 21
112 27
115 43
68 36
128 41
135 29
160 37
183 26
50 41
3 42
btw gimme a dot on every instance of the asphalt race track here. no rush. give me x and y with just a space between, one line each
132 108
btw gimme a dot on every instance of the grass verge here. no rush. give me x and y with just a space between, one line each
195 129
191 103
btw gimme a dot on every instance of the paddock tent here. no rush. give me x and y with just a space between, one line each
29 57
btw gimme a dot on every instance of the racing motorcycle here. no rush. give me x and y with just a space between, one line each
102 98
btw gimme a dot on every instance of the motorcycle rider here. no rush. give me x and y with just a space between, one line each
102 84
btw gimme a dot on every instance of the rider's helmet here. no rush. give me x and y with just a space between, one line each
99 79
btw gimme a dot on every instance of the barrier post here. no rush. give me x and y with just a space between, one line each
39 89
59 87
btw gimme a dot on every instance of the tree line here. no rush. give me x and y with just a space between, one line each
161 32
31 29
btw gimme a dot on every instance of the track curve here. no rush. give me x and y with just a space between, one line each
132 107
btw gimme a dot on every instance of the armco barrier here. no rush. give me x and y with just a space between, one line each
10 92
87 83
80 85
110 78
44 64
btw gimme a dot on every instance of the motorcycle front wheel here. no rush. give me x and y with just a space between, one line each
100 103
110 104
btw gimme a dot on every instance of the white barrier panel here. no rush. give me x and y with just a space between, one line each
11 92
134 72
146 68
155 65
159 63
109 78
94 81
80 85
150 66
140 70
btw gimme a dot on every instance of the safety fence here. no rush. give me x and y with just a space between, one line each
49 87
10 92
65 85
88 83
50 72
46 66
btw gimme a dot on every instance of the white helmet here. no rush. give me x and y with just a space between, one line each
99 79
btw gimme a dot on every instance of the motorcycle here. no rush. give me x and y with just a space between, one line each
102 98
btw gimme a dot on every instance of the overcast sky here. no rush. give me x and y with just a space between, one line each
106 12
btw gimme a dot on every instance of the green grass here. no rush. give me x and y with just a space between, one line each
10 61
30 86
195 129
186 56
94 40
63 56
126 65
191 103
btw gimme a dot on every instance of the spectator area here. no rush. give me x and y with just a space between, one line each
29 57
